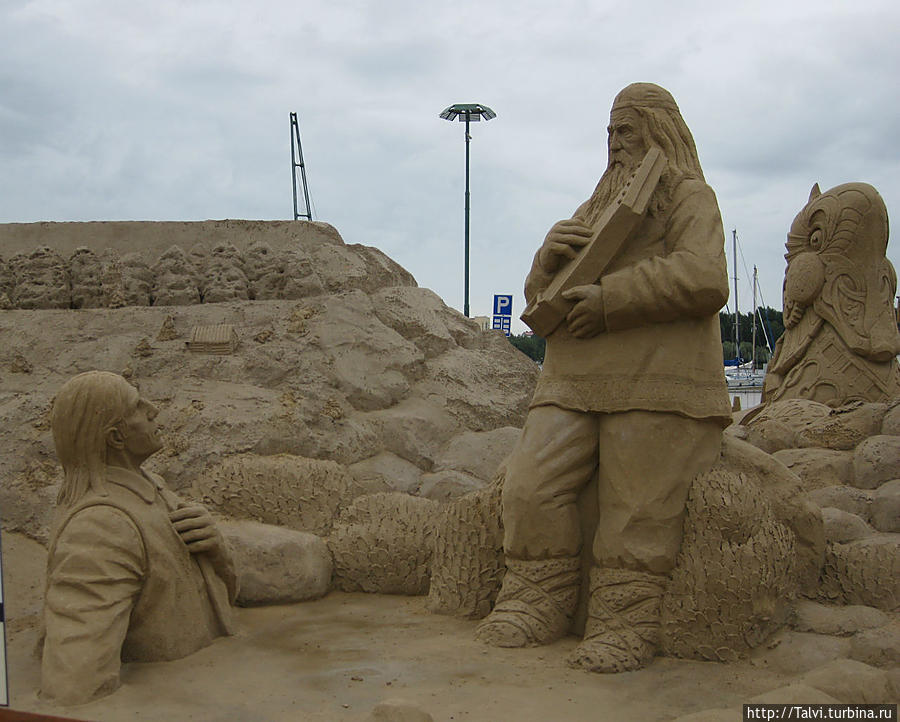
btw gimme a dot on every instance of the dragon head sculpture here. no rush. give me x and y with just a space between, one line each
837 267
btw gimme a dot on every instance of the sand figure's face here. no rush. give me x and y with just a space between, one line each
140 432
626 142
837 264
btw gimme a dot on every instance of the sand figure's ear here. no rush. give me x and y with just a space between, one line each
814 192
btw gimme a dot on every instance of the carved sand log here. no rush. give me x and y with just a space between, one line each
468 567
734 579
292 491
382 543
863 572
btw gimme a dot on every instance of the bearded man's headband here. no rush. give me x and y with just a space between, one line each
645 95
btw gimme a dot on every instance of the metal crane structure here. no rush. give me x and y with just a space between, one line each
297 162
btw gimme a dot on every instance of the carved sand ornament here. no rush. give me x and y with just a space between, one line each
841 339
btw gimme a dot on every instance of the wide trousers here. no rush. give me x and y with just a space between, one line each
643 463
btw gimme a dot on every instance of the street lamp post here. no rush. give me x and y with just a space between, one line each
467 112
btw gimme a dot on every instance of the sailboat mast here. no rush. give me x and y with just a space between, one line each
754 318
737 321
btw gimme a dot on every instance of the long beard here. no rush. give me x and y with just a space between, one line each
611 182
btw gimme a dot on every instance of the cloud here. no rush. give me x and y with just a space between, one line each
179 111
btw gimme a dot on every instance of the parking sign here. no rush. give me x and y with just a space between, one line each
502 305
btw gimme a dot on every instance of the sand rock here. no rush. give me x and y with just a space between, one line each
20 365
86 276
419 315
381 270
844 427
137 280
382 544
398 710
112 280
447 484
863 572
772 435
28 498
885 509
478 453
167 331
850 682
481 388
818 467
292 491
388 469
372 364
796 693
265 272
736 430
224 278
890 425
841 526
846 498
343 267
198 254
7 280
175 279
467 566
879 647
716 714
797 414
41 280
798 652
276 565
839 621
875 461
415 430
300 278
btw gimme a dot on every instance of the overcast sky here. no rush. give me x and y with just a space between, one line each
168 110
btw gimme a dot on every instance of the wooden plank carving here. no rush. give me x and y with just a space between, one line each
614 226
218 339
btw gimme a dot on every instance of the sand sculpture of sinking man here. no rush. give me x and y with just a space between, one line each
133 573
631 394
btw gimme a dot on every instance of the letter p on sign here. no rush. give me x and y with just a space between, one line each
502 305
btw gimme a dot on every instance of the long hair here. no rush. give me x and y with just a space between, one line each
665 129
84 410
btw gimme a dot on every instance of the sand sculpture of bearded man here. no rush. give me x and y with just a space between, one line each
631 394
133 572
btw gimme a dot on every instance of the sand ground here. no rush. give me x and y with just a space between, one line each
335 658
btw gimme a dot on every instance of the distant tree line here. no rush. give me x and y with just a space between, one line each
530 345
534 346
769 323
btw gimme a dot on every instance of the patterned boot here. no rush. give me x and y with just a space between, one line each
622 629
535 604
